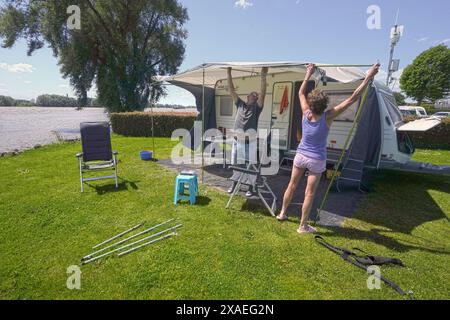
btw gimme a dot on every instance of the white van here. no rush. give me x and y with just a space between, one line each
419 112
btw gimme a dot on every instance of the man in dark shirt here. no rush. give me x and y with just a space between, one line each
246 121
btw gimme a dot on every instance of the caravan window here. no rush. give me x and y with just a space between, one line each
226 106
338 97
408 112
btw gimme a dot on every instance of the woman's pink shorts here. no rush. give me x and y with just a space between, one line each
313 165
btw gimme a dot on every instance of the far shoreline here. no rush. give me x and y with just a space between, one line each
98 107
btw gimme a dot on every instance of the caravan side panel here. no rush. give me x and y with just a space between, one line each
271 118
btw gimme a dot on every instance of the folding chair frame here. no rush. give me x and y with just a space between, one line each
251 169
83 169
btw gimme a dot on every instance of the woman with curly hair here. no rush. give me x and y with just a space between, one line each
312 151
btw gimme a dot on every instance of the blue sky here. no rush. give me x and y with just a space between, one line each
264 30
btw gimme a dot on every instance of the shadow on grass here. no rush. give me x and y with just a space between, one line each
376 236
111 187
400 203
255 206
201 201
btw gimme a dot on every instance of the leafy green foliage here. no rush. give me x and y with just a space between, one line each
399 98
428 77
53 100
6 101
139 124
436 138
121 47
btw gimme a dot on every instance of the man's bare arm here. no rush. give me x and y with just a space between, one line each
232 90
262 95
336 111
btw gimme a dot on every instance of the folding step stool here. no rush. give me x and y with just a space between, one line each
180 187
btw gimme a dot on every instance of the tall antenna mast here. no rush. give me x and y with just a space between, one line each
396 34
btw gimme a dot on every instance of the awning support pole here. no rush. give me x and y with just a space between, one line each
152 121
203 126
153 134
344 150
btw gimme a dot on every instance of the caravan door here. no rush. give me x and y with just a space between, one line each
281 111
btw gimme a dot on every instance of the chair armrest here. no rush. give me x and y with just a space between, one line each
115 152
79 155
243 170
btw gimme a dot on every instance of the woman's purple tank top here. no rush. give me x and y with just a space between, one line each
314 138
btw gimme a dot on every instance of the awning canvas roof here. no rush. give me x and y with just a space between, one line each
420 125
218 71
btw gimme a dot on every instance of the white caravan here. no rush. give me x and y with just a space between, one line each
283 81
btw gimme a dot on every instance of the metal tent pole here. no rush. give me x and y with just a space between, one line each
147 243
118 236
344 66
203 126
344 150
152 122
89 256
153 133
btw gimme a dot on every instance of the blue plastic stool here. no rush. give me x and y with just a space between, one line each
180 187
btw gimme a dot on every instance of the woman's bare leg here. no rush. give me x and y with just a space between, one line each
311 187
297 174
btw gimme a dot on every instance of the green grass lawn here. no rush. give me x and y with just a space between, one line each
47 225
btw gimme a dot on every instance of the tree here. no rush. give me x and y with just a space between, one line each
121 45
400 98
53 100
428 77
6 101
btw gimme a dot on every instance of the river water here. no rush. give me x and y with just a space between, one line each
25 127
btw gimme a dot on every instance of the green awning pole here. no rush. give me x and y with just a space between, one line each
344 150
153 134
153 130
203 126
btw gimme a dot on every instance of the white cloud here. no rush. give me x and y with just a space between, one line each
65 86
422 39
243 4
176 95
395 85
17 68
28 82
444 41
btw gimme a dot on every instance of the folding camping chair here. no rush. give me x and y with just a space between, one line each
97 153
250 175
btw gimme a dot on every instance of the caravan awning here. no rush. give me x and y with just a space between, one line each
218 71
420 125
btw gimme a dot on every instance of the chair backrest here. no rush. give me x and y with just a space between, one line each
96 141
